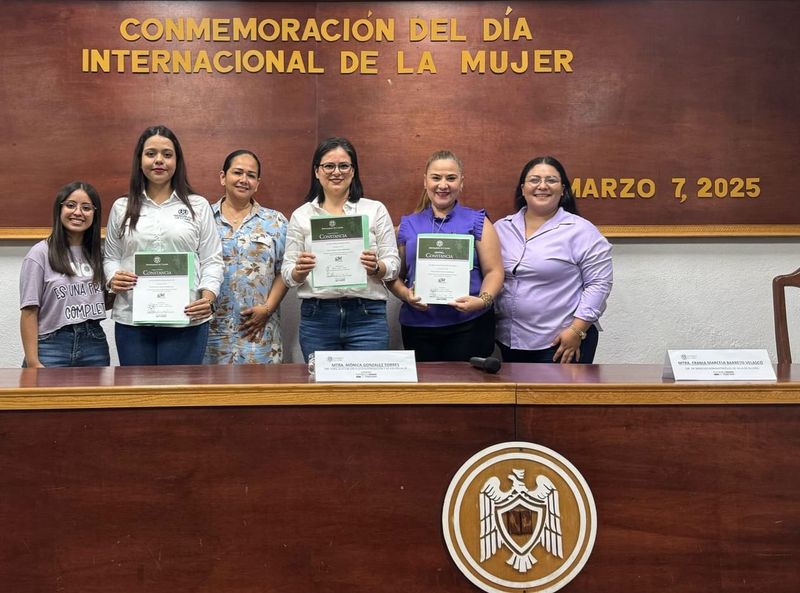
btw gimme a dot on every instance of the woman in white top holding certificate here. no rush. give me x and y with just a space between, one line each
165 319
340 249
451 270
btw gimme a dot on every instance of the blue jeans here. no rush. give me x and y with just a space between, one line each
155 345
343 324
79 345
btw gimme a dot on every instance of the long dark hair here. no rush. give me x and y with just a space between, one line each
179 182
58 253
567 201
315 189
229 159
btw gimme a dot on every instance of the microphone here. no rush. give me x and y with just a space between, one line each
490 364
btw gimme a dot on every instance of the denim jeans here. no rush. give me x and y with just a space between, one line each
155 345
79 345
343 324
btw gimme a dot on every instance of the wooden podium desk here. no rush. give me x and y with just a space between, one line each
253 478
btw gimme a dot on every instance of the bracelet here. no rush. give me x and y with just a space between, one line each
581 334
488 300
376 269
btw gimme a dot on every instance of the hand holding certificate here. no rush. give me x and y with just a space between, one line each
163 288
337 243
443 266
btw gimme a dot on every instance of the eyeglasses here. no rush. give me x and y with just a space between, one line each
547 180
72 206
329 168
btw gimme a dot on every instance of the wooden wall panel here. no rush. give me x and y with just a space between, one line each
689 499
68 125
315 498
243 492
658 90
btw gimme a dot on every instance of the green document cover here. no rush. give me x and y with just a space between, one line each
337 243
443 266
164 287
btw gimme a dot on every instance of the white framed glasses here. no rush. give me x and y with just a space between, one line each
72 206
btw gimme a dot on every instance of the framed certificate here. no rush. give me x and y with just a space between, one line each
164 287
337 242
444 262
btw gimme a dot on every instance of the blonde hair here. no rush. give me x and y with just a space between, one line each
439 155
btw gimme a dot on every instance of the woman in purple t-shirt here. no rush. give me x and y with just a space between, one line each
61 286
464 327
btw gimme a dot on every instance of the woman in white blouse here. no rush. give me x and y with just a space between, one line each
161 213
347 317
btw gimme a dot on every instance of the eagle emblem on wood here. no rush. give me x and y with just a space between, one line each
520 519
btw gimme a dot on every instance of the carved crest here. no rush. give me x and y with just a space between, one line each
520 519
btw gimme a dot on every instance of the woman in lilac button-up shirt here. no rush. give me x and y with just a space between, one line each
558 272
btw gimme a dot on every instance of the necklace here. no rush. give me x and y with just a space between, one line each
242 214
437 224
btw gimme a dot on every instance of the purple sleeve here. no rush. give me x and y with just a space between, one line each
402 231
597 273
31 282
477 223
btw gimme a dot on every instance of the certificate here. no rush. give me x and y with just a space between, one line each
444 262
163 288
337 243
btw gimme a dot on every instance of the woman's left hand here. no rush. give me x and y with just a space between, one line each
199 309
569 347
256 320
369 259
468 304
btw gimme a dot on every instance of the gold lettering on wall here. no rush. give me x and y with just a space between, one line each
146 59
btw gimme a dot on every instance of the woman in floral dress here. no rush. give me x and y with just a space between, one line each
246 327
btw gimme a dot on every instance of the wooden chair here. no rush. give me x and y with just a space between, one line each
779 283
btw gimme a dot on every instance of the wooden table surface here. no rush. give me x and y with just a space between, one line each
439 383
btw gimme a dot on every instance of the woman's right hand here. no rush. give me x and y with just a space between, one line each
414 301
122 281
303 265
253 322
